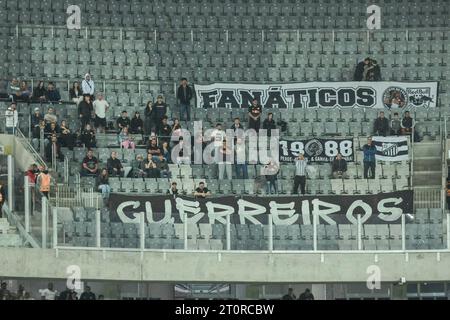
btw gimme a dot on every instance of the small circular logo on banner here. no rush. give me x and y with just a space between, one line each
395 98
314 148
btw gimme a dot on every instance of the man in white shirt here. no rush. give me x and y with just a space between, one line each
100 108
49 293
88 86
12 119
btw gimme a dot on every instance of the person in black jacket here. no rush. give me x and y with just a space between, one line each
290 295
359 71
76 93
53 146
269 124
115 168
149 116
85 109
123 121
307 295
87 137
87 294
40 92
184 97
381 126
339 167
160 110
137 125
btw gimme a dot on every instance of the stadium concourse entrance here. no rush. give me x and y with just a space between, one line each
171 291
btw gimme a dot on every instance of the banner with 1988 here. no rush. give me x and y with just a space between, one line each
316 150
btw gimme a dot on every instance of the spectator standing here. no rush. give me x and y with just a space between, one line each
89 166
12 119
44 181
269 124
40 93
300 174
53 93
100 106
184 97
88 86
53 147
239 160
36 135
359 71
369 151
396 125
103 185
76 93
224 161
115 168
49 293
254 115
149 117
271 174
137 125
87 294
85 110
381 125
339 167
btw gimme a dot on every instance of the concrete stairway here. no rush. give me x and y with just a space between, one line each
427 164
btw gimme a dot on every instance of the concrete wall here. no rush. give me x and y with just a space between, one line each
224 267
23 159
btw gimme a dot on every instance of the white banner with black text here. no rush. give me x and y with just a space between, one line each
382 95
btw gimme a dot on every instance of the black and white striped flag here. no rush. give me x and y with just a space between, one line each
391 148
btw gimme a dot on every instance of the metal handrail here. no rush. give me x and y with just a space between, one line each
154 31
26 143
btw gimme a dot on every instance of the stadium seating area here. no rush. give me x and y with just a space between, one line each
425 233
136 50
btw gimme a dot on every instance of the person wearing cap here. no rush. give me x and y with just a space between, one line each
184 97
36 119
12 119
100 107
88 86
300 174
